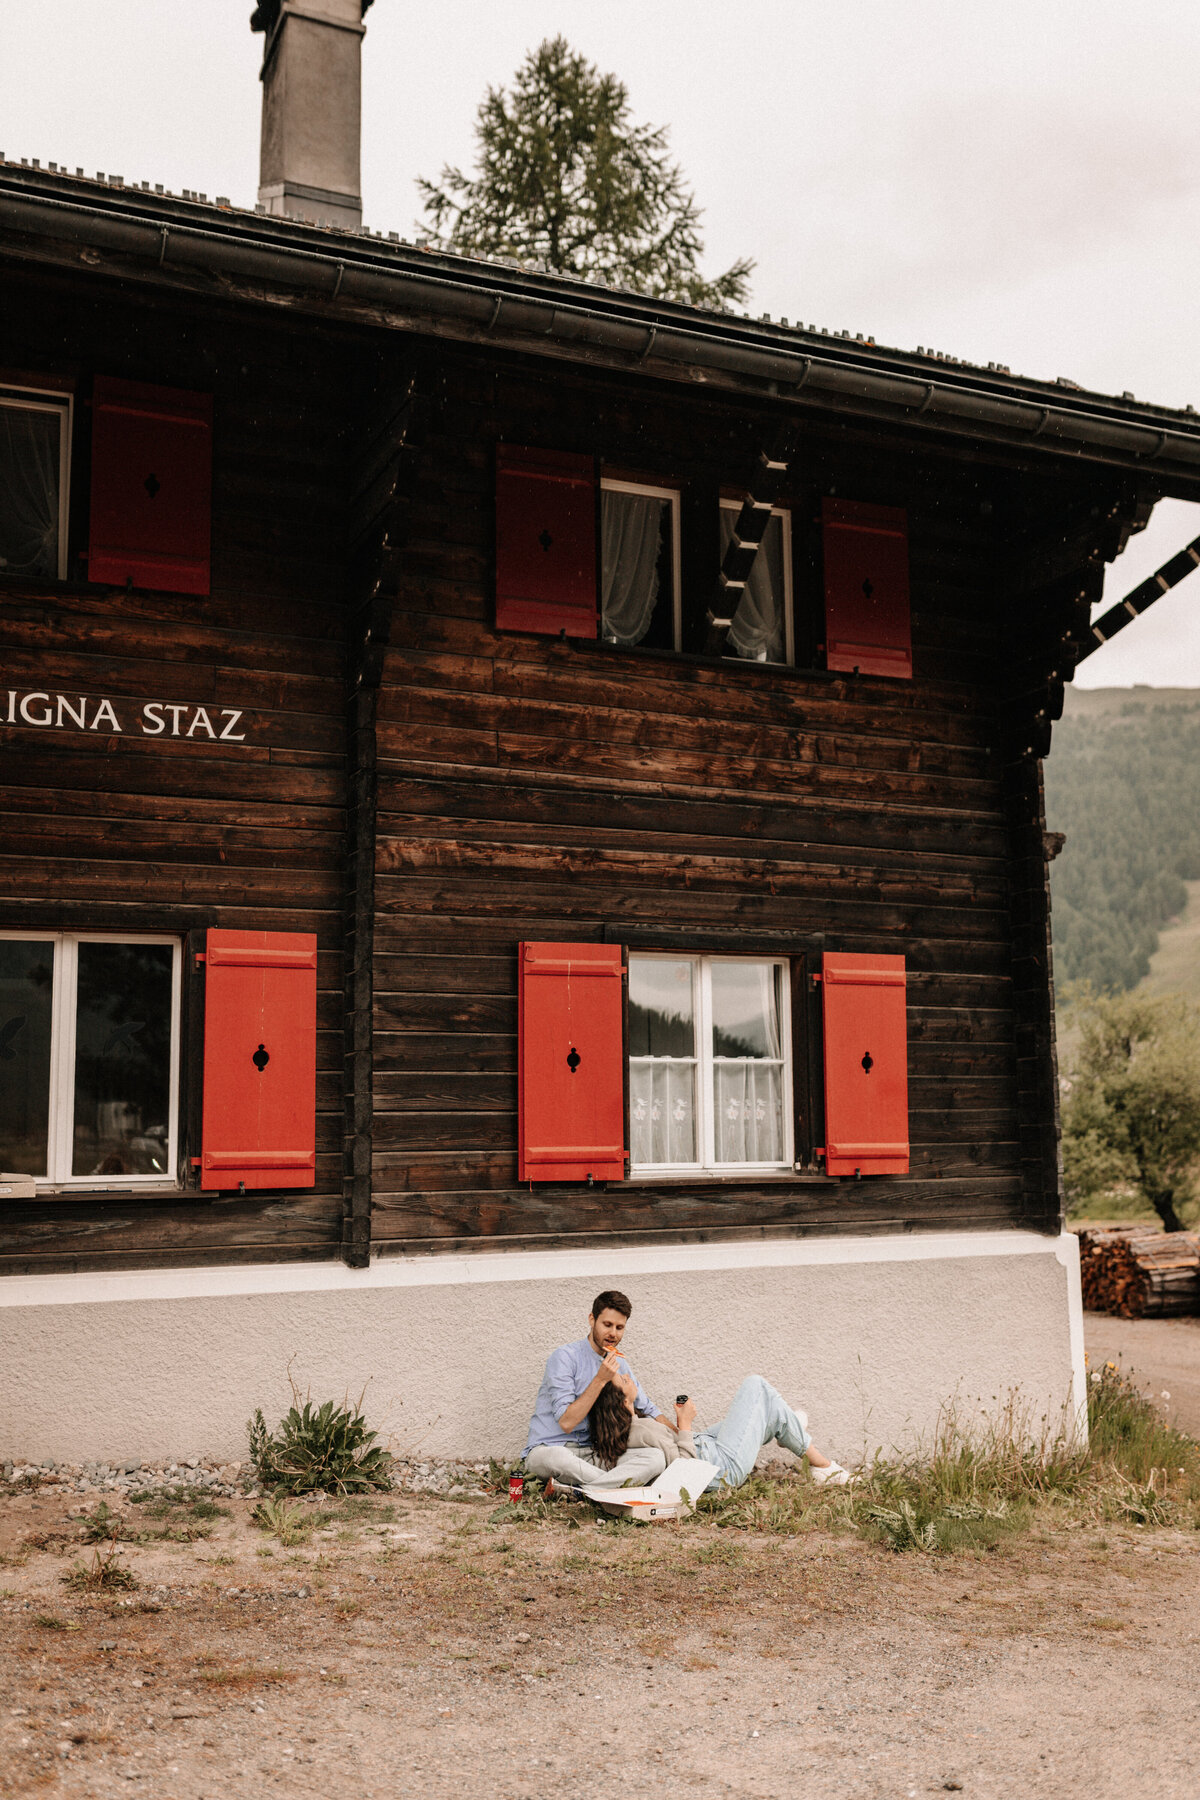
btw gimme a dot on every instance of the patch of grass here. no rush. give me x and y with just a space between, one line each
289 1523
52 1622
103 1572
720 1552
1128 1432
239 1675
982 1482
102 1524
358 1509
317 1449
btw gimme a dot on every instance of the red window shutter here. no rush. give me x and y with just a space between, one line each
572 1062
545 542
867 623
151 486
260 1060
866 1065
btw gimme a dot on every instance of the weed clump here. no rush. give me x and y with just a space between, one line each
318 1449
290 1524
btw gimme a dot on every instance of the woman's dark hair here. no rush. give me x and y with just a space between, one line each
608 1424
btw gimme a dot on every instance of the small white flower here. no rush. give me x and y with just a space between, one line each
1095 1374
1165 1394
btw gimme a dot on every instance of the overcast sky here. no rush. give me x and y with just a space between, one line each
1015 182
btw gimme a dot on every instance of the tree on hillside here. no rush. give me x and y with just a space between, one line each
1124 785
1131 1113
565 178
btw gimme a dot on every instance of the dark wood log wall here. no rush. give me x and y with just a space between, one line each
526 788
130 833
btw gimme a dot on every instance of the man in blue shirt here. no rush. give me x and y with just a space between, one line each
559 1446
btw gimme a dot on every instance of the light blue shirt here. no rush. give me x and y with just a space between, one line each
569 1370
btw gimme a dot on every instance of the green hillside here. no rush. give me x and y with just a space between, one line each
1123 783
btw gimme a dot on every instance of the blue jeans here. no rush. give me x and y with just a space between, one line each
759 1415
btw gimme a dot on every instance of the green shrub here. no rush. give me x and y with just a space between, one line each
318 1449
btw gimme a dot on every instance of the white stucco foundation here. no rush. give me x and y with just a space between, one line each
871 1335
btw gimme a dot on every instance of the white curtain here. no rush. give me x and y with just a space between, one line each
662 1112
757 632
630 537
748 1091
748 1100
29 446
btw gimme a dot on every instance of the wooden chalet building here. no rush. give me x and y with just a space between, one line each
511 787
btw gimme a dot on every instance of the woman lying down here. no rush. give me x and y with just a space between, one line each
759 1415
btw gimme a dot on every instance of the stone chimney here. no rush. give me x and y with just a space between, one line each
312 102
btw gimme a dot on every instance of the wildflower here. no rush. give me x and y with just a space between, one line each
1165 1394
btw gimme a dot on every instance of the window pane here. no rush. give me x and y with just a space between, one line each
29 468
123 1060
662 1113
26 989
745 1003
637 587
661 1007
748 1086
758 632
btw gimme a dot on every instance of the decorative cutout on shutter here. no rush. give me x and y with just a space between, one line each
545 542
572 1062
151 486
866 1064
867 621
260 1060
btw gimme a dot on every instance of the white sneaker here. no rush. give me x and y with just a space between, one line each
833 1476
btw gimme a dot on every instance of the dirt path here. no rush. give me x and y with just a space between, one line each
445 1651
1160 1354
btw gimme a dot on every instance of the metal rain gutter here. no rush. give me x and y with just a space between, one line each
490 305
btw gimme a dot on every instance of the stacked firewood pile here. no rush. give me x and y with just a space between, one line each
1140 1274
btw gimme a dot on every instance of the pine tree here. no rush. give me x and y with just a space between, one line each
567 180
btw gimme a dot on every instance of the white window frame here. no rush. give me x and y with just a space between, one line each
704 1062
31 399
610 484
784 514
63 1011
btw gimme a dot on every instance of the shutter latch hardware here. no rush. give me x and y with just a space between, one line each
868 1062
261 1058
573 1059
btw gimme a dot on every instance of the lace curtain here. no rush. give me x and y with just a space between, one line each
29 461
748 1091
757 632
662 1112
630 539
748 1100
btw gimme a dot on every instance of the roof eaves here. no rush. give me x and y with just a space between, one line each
507 299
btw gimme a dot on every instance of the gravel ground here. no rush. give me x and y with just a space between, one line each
443 1646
